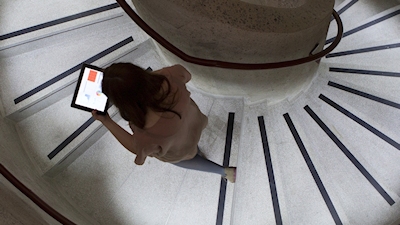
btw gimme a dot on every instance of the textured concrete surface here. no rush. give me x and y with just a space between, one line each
17 209
236 31
15 159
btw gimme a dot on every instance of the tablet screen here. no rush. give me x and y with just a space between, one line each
89 94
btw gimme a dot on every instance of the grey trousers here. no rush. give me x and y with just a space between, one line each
201 164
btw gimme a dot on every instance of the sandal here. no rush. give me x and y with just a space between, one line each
230 174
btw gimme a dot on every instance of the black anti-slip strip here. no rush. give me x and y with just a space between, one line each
270 170
364 72
313 170
363 50
350 156
346 7
59 21
72 70
363 94
361 122
369 24
228 139
70 138
227 155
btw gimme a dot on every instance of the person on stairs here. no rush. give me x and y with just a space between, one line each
166 123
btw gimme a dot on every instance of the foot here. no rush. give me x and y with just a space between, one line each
230 174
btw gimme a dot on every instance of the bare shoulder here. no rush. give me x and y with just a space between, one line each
152 118
179 70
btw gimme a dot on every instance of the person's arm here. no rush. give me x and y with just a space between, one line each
182 71
124 137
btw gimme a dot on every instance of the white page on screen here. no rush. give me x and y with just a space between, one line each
90 94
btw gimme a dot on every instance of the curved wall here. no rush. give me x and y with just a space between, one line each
14 158
238 31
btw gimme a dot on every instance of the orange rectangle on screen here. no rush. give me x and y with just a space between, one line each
92 76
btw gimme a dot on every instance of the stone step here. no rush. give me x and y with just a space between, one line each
31 29
286 192
378 54
179 196
347 185
371 30
354 12
361 166
294 184
69 131
37 79
314 181
370 122
369 79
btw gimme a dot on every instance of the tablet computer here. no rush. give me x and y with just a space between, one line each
88 95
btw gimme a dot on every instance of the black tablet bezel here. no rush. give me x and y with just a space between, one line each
73 104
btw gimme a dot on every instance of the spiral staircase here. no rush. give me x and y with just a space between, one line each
330 155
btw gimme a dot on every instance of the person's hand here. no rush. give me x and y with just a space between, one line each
101 118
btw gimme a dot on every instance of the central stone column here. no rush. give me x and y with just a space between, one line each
251 31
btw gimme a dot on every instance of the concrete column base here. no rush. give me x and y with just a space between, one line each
243 32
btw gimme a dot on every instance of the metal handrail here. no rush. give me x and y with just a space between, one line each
230 65
32 196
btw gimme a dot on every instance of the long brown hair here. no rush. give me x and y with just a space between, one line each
133 91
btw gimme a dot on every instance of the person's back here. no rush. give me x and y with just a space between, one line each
176 138
166 122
